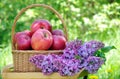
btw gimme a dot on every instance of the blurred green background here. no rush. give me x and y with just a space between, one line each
85 19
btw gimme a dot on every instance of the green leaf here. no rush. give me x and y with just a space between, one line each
77 57
107 49
100 54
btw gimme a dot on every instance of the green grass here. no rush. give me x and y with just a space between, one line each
5 56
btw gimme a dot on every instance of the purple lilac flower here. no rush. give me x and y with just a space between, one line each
56 64
89 48
74 44
69 54
47 65
71 49
82 63
37 60
45 62
69 67
93 64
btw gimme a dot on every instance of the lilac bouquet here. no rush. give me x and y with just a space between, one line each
77 55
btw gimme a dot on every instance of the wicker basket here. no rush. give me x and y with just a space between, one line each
7 73
21 57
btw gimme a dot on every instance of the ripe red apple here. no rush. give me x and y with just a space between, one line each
41 40
28 32
22 42
41 24
58 32
59 42
17 35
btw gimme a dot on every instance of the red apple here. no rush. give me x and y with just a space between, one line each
59 42
41 40
23 42
28 32
17 35
58 32
41 24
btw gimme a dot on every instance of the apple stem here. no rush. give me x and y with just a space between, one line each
45 35
42 27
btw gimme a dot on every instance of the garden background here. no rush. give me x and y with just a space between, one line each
85 19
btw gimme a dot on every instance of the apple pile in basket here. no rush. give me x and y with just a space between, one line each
40 37
76 54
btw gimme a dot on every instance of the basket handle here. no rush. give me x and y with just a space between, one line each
37 5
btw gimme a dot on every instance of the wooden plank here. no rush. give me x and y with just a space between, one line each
7 74
36 75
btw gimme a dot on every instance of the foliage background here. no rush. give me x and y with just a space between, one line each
85 19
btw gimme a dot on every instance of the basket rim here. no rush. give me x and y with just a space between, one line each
38 51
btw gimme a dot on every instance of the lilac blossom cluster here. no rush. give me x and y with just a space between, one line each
84 52
45 63
69 67
54 63
93 63
89 48
75 57
71 49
